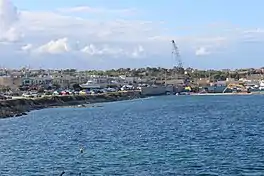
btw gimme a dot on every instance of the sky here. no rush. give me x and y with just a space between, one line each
106 34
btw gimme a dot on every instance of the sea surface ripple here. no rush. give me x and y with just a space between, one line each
170 135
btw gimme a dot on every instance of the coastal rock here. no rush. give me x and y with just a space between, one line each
20 107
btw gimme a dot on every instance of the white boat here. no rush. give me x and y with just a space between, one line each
261 85
91 84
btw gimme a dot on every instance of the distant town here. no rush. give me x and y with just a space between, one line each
37 82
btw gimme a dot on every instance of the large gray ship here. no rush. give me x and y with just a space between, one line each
156 90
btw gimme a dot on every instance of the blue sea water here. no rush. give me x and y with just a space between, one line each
170 135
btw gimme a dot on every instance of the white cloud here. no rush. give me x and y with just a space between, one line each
27 47
54 25
202 51
257 30
55 47
11 35
92 50
88 9
63 31
64 45
138 51
39 25
9 16
252 35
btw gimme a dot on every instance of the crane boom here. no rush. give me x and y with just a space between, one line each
176 54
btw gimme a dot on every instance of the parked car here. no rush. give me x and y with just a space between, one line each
2 97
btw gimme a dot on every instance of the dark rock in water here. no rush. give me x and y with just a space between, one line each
18 115
23 113
9 115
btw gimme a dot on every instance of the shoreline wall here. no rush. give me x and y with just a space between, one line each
19 107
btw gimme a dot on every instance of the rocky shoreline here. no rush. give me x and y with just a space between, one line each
20 107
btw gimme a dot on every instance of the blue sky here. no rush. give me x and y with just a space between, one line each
120 33
173 12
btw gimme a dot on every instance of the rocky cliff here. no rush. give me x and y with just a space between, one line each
19 107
